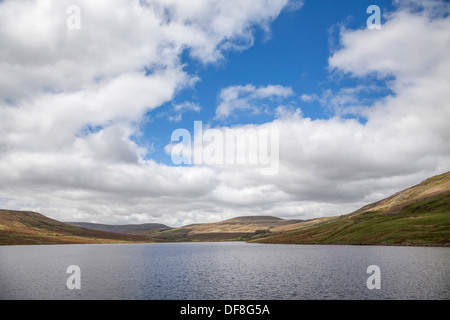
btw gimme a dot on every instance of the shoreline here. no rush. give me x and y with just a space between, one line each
431 245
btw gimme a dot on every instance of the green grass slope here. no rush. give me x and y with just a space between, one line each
419 215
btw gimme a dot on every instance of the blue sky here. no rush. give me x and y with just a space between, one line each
294 53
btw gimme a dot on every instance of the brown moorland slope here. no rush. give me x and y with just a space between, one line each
26 227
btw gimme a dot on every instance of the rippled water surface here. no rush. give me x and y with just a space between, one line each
231 270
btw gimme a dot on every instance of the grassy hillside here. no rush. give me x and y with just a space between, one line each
429 188
25 227
419 215
124 229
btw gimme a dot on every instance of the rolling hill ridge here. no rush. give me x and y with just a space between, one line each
419 215
123 229
236 229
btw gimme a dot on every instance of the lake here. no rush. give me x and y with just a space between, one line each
224 271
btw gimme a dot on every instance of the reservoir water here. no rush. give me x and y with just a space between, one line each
224 271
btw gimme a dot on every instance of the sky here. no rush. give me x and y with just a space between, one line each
97 99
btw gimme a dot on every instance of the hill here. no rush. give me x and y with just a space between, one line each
419 215
26 227
123 229
240 228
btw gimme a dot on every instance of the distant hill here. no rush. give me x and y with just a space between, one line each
419 215
240 228
123 229
26 227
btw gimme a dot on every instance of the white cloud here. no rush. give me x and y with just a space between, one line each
308 97
181 108
187 106
401 48
248 97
